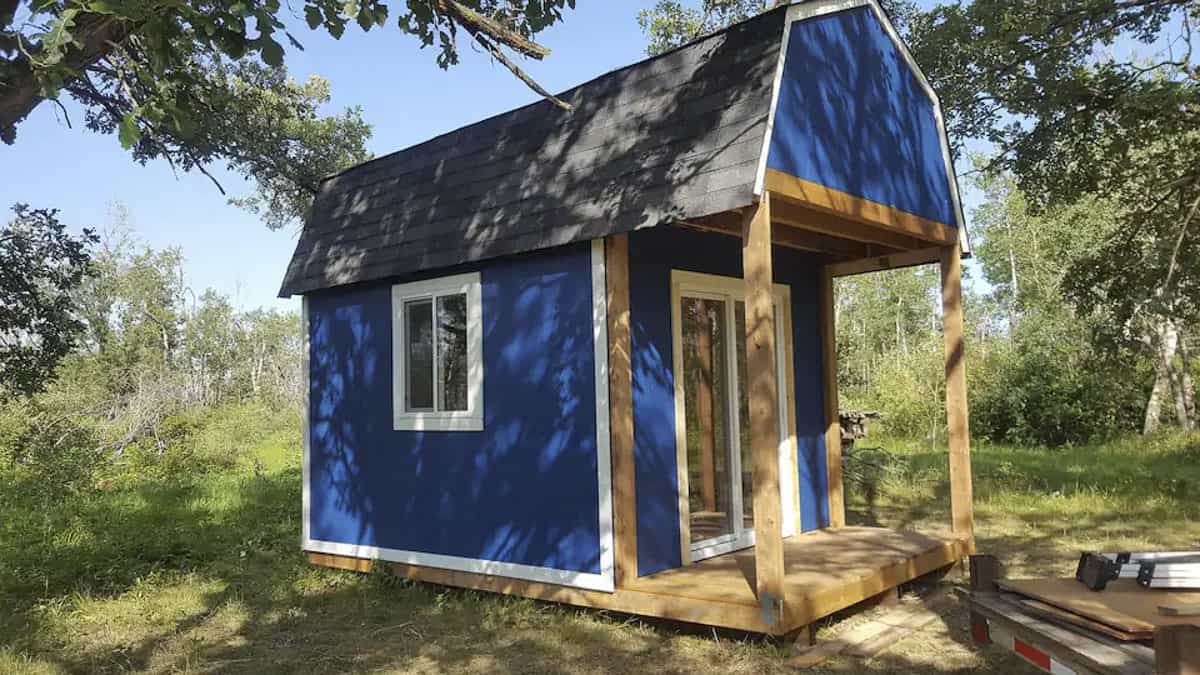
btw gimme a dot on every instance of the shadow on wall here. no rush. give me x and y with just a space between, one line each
523 490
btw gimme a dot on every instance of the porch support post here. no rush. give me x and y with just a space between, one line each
620 397
833 424
961 509
762 388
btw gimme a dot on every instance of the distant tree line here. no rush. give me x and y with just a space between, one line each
133 355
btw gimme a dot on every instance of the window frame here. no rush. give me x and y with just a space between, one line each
470 419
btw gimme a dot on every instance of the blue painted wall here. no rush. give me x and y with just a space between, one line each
852 116
523 490
652 255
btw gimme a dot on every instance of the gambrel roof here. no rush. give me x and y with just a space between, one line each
676 137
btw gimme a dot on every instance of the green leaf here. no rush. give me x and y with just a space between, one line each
128 132
272 52
313 16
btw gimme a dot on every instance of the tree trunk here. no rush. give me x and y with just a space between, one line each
1012 269
1170 345
1154 404
95 34
1189 388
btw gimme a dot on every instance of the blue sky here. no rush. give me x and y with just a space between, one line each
404 96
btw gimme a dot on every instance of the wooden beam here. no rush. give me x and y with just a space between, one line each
961 507
857 208
886 262
620 397
804 216
763 392
693 610
833 426
803 240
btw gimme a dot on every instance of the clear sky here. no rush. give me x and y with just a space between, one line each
404 96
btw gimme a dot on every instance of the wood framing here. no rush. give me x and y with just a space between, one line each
620 388
958 431
835 247
828 571
763 394
833 427
862 210
886 262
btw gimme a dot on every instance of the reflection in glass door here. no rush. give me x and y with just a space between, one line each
711 371
712 463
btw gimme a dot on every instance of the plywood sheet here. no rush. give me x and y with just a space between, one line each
1123 605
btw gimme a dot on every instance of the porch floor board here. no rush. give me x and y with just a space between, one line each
826 571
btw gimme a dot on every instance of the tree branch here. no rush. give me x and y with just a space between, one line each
95 36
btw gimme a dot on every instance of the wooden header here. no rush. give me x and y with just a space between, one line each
864 211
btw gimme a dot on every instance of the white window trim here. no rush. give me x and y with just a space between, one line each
470 419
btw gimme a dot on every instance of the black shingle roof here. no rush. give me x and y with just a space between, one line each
674 137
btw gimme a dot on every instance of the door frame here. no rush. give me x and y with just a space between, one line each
712 286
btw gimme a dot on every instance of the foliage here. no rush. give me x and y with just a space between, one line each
40 267
1079 101
155 44
672 23
1049 385
148 364
196 83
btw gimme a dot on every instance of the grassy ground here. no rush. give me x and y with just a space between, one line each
201 573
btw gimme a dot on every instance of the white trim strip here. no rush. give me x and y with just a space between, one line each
816 8
584 580
603 437
306 420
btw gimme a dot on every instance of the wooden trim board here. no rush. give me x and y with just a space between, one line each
856 208
720 592
620 397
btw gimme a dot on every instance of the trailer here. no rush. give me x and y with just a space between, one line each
1061 642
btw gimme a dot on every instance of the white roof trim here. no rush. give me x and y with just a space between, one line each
815 8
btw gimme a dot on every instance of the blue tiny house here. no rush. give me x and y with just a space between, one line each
588 356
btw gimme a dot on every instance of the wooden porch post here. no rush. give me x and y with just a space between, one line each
833 425
620 397
762 388
961 508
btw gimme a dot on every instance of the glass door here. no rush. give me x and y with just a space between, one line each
710 364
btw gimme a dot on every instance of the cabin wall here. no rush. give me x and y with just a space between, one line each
852 116
652 255
525 492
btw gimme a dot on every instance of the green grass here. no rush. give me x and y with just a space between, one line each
198 569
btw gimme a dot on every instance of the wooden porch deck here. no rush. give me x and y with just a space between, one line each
825 571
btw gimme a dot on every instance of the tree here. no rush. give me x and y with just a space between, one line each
199 82
156 44
671 23
41 265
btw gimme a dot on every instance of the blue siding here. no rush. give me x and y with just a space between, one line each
852 116
652 255
524 490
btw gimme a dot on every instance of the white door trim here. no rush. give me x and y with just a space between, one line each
732 290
